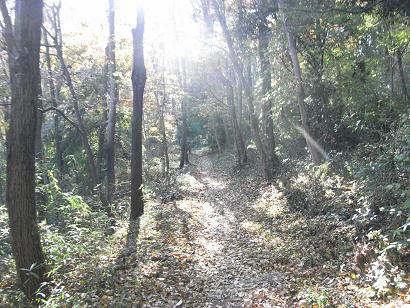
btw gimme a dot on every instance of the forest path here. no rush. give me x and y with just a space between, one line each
231 261
222 237
208 244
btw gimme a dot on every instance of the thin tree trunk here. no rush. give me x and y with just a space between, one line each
240 104
164 141
39 153
218 142
101 154
399 57
24 49
265 68
41 198
312 146
162 110
101 138
242 157
228 140
183 160
54 102
139 76
113 97
248 92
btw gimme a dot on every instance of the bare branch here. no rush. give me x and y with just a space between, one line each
63 115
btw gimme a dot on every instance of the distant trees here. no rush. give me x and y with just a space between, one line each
23 46
112 106
79 124
249 96
296 68
139 76
306 130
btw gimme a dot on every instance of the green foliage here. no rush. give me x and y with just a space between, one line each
61 207
317 298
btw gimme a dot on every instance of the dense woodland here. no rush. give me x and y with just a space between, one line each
205 153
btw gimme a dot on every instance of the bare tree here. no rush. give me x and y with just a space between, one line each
54 97
313 147
268 135
139 77
112 106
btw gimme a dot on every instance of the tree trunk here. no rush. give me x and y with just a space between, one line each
39 153
101 154
313 147
164 133
228 140
139 76
239 143
160 106
248 92
183 159
101 138
265 69
113 99
21 205
399 57
218 142
59 160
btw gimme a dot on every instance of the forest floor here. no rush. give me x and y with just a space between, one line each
224 238
216 236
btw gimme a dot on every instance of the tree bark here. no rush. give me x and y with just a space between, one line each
113 100
242 157
183 159
266 88
39 153
139 76
399 57
21 204
290 36
101 154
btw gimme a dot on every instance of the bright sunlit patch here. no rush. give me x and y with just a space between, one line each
214 184
251 226
187 181
169 24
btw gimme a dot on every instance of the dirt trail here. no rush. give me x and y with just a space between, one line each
231 263
225 238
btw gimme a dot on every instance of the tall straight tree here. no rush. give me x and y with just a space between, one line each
54 97
112 106
268 135
24 54
139 77
314 149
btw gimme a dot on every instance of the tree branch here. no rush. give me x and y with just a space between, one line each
63 115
